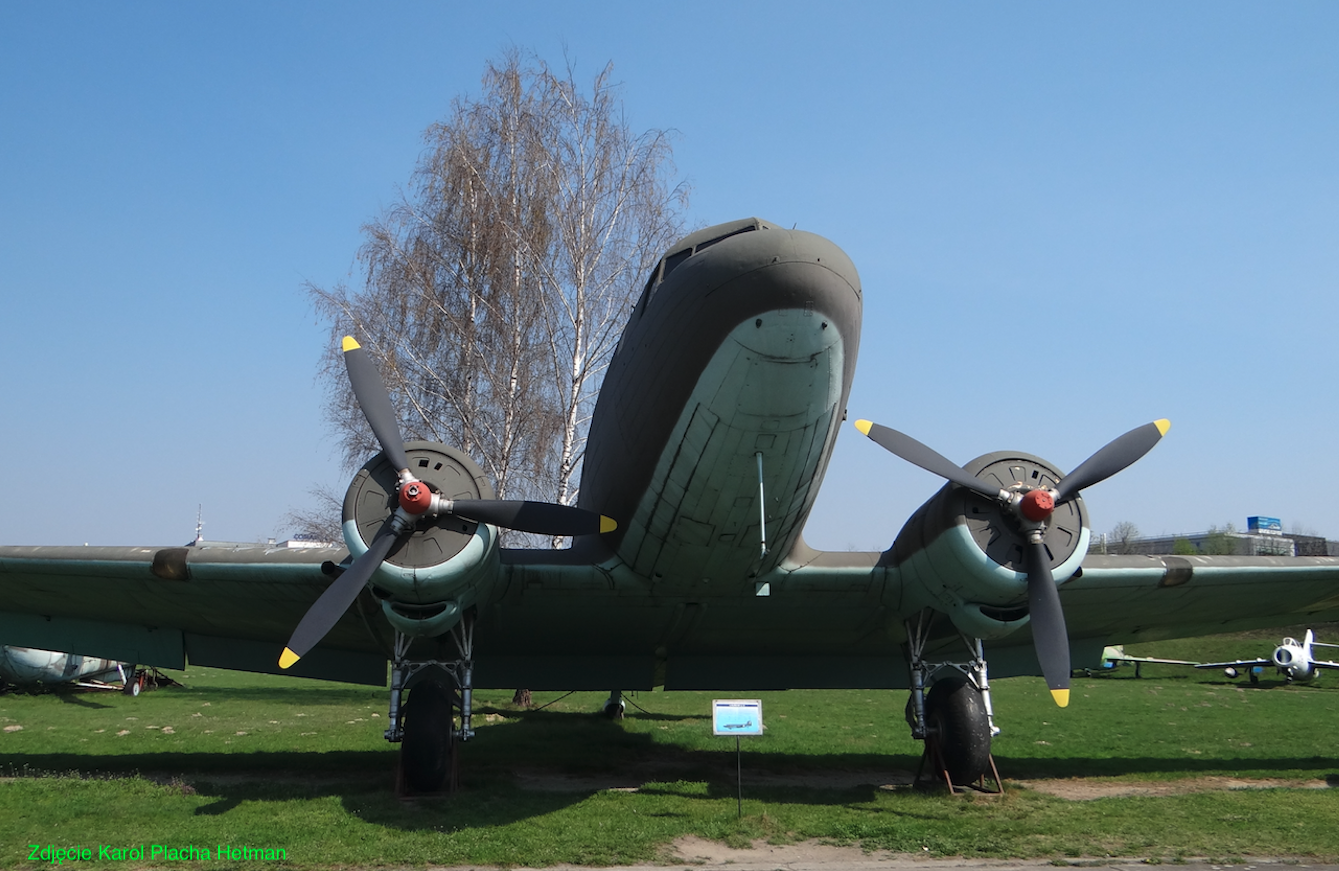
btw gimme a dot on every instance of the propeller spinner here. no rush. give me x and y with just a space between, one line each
1031 510
417 501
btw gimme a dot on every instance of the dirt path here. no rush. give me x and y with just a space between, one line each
1073 789
1081 789
695 853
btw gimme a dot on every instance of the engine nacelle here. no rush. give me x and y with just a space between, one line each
1294 660
448 563
963 554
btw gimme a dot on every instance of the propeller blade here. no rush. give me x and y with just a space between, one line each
1048 623
927 458
326 611
546 518
375 401
1115 456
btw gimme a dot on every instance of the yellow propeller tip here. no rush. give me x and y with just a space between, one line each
864 426
350 344
1061 697
1163 425
607 524
288 658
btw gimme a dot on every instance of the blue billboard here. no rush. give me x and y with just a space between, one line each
1267 525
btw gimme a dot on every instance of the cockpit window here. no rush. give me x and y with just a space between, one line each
649 290
673 261
710 242
651 279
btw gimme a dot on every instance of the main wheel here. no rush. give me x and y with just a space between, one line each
957 719
429 737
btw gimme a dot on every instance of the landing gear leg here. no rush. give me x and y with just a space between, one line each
614 706
436 719
954 717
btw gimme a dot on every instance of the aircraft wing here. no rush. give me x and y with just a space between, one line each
1152 659
1126 599
231 607
1150 598
1238 663
234 607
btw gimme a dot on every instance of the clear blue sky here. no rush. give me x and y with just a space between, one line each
1070 219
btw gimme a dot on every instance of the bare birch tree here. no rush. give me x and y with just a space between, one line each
496 286
613 217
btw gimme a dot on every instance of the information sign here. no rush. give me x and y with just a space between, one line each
738 717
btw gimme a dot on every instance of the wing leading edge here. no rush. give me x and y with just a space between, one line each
230 607
822 619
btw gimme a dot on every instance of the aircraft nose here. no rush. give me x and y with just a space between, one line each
793 335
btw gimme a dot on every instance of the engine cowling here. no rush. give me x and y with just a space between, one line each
448 564
963 554
1292 657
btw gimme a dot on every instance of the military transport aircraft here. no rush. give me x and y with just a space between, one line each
1295 660
713 430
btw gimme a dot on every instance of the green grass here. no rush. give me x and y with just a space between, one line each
312 774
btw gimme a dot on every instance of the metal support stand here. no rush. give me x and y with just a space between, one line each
934 754
739 779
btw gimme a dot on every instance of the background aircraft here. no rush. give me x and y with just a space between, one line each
30 668
1294 660
1114 655
714 427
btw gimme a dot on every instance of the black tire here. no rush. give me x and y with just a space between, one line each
957 719
429 737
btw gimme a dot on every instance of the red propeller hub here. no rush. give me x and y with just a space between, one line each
415 497
1036 506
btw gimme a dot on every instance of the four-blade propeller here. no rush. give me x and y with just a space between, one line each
1031 510
417 501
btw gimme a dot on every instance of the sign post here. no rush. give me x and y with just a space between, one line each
737 717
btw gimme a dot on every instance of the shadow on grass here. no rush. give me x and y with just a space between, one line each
638 714
255 766
303 696
578 755
82 700
1116 766
583 754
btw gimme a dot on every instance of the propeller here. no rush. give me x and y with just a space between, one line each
1049 637
417 501
1032 509
326 611
1115 456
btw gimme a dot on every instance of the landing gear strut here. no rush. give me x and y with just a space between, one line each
954 717
437 718
614 706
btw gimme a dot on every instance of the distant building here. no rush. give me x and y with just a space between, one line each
1264 537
